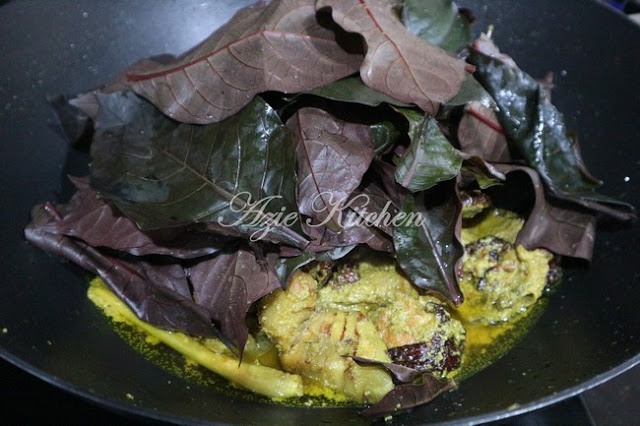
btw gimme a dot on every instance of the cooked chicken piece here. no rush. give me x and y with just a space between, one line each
317 342
372 284
283 312
473 203
420 333
403 317
367 310
500 280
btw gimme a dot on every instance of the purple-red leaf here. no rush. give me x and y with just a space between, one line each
387 174
400 373
397 62
157 293
536 131
354 231
374 206
483 172
276 45
238 174
227 285
481 134
564 231
406 396
292 259
332 155
94 221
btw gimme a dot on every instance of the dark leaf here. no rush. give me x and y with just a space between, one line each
58 245
277 46
157 293
227 285
426 242
430 158
333 155
564 230
87 104
437 355
400 373
397 62
96 223
286 266
387 174
439 22
536 130
484 173
75 124
384 135
335 254
355 231
471 90
522 114
374 206
237 173
480 133
352 90
406 396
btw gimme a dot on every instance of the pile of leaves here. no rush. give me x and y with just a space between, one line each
296 132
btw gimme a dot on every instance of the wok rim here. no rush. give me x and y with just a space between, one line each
129 409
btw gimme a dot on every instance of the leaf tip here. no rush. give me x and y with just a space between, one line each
457 299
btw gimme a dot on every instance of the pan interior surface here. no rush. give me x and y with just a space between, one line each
588 333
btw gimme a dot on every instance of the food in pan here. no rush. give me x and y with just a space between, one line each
343 200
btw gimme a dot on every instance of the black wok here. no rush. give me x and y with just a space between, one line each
589 333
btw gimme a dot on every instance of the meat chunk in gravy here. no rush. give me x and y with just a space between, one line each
376 314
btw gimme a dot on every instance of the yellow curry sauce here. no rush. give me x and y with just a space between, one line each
358 309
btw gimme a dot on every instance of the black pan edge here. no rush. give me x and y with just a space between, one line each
128 409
